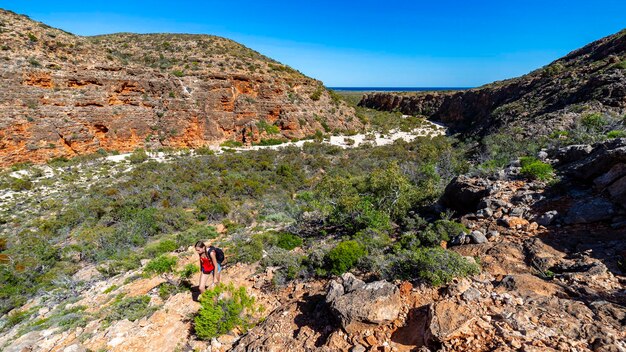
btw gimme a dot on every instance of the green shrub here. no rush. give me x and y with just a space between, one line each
166 290
222 309
317 94
270 141
535 169
231 144
160 265
445 230
288 241
290 264
188 271
178 73
32 37
156 249
344 256
622 65
131 308
15 318
248 251
138 156
616 134
110 289
118 266
19 184
436 266
204 151
393 192
554 69
212 208
594 121
267 127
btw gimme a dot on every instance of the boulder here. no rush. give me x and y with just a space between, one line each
372 303
589 211
477 237
463 194
616 172
459 239
572 153
446 320
547 218
603 157
514 222
617 191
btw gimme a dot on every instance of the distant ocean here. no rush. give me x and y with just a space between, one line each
394 89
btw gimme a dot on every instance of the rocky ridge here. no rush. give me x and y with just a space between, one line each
66 95
551 98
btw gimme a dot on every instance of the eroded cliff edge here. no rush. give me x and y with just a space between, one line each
66 95
547 99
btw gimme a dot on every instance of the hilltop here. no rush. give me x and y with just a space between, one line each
65 95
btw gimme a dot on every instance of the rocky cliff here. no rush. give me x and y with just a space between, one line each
65 95
550 98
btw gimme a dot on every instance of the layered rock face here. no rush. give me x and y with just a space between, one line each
591 78
65 95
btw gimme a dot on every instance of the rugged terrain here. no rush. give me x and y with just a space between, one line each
552 98
64 95
94 251
552 280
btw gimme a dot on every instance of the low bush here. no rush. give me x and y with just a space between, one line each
15 318
616 134
435 266
268 128
161 247
535 169
160 265
231 144
344 256
593 121
138 156
270 141
20 184
290 264
211 208
317 94
288 241
248 250
188 271
131 308
204 151
222 309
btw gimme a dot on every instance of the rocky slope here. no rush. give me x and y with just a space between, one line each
592 78
553 274
552 280
65 95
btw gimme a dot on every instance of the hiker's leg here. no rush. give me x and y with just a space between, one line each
203 280
218 273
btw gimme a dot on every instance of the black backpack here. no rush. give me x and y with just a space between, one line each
219 253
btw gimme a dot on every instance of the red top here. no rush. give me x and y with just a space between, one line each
207 264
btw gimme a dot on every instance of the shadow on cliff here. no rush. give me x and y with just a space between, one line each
315 314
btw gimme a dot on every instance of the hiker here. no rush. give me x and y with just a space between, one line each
210 258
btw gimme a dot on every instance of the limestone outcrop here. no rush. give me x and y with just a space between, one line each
63 95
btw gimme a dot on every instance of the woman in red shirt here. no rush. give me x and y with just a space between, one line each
208 263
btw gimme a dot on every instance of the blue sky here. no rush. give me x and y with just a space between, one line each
365 43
